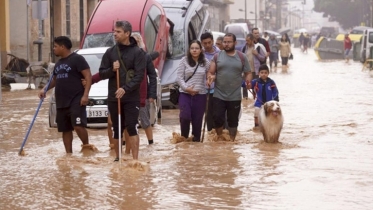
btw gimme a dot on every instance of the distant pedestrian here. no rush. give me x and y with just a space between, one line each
347 47
71 96
306 42
191 77
285 52
226 70
209 49
300 39
274 46
219 42
265 90
254 54
258 39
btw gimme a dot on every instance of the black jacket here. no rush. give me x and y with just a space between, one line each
152 75
133 58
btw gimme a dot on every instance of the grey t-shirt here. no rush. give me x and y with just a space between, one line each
228 80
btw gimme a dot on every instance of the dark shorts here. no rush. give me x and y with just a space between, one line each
232 108
129 117
284 61
68 118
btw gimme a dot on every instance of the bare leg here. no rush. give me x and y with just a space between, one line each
67 138
232 133
135 144
110 132
82 133
128 143
149 134
116 147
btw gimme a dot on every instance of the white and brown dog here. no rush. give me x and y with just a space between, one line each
271 121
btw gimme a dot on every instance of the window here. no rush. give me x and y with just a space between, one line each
370 37
151 27
150 34
68 31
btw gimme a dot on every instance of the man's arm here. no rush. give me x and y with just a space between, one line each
152 75
211 73
88 78
106 67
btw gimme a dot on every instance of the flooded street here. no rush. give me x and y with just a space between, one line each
325 160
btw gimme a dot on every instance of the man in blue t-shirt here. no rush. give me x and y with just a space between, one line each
71 96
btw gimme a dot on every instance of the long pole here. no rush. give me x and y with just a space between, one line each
119 123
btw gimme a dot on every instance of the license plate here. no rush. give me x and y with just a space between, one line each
97 113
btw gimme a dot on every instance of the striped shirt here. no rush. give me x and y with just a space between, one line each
198 80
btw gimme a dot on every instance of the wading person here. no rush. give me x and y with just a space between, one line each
191 77
347 47
226 70
254 54
265 90
151 95
207 41
71 96
128 60
273 45
285 52
258 39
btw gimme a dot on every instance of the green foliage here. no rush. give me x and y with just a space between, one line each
348 14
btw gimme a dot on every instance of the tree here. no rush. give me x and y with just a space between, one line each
349 13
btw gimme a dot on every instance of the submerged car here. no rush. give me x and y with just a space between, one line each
97 111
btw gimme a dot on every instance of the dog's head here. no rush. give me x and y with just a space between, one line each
272 108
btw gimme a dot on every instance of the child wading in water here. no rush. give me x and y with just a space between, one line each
264 89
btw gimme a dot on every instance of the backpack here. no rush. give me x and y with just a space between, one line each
240 54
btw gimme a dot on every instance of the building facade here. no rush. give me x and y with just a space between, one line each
23 31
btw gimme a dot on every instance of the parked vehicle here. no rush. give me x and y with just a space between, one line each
216 34
97 111
238 29
188 19
366 45
147 18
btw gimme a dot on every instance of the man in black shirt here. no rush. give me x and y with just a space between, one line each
71 96
119 59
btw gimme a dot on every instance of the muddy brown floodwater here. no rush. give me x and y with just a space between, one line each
325 160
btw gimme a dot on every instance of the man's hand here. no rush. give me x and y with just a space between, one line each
116 66
84 100
41 94
248 84
210 80
84 82
120 93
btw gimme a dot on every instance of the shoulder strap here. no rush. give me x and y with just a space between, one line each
240 54
193 73
120 59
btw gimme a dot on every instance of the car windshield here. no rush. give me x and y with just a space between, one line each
100 40
178 37
94 61
236 30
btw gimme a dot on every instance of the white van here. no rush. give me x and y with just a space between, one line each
238 29
366 44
